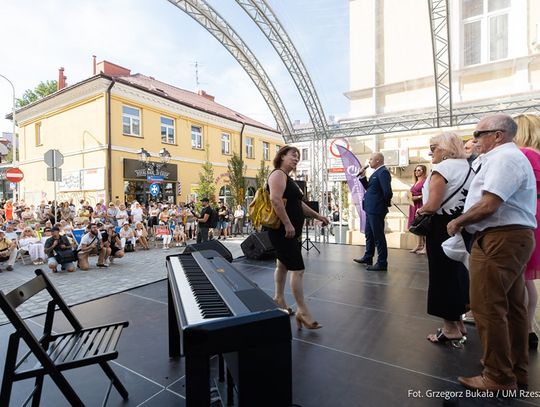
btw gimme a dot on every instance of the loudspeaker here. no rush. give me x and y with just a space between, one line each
257 246
210 245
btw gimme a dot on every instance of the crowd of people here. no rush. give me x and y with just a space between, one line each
64 234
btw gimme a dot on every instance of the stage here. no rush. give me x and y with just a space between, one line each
372 350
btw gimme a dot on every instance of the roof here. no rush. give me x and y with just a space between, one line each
188 98
167 91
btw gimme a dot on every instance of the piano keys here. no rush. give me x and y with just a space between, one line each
213 309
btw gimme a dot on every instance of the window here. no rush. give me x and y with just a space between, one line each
167 130
131 121
305 154
266 151
485 30
225 195
196 137
39 142
249 147
225 143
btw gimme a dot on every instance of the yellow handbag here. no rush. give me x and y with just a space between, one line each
261 211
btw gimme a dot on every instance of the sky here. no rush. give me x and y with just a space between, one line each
155 38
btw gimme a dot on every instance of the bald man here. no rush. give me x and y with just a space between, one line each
377 199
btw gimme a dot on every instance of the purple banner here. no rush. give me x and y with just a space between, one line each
352 166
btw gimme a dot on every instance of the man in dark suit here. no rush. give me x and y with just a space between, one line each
377 199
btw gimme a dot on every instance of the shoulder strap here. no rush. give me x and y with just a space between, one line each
459 189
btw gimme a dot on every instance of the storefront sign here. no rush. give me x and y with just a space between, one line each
134 169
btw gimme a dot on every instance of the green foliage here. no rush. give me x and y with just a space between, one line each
237 178
39 92
207 184
262 175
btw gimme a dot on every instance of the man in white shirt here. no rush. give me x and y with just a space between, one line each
91 244
239 214
500 213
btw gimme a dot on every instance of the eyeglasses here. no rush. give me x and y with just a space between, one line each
433 147
418 169
480 133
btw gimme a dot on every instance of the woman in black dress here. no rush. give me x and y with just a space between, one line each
286 239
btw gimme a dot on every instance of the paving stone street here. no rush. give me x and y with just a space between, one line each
135 269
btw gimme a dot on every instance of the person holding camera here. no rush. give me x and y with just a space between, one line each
91 244
53 244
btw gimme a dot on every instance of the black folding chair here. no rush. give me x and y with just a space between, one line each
55 352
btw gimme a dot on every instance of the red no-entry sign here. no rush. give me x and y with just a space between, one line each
14 175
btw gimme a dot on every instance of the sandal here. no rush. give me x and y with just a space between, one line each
440 337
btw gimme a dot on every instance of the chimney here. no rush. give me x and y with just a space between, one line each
205 95
61 79
108 68
93 65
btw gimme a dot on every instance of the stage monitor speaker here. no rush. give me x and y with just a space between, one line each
257 246
210 245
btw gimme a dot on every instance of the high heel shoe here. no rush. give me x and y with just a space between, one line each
301 321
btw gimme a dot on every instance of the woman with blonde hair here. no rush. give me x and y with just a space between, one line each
528 139
415 195
444 196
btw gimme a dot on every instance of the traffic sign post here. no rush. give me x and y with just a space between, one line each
14 175
54 159
154 190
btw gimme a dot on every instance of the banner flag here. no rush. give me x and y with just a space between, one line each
352 166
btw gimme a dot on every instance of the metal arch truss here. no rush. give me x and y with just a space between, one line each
265 18
440 40
206 16
464 115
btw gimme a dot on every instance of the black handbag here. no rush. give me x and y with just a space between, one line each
421 225
65 256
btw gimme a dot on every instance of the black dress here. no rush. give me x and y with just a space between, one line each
289 251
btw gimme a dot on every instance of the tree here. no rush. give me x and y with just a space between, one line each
262 175
39 92
237 178
207 185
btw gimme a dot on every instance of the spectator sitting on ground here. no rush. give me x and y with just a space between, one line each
126 234
56 241
141 235
112 241
29 242
8 251
91 244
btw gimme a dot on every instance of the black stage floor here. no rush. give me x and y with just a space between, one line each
372 350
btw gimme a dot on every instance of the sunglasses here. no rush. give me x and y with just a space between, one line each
480 133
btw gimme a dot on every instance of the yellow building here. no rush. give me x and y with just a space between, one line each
100 123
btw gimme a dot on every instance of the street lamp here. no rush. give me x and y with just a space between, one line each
151 166
14 134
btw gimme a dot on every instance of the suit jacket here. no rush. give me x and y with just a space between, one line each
378 194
